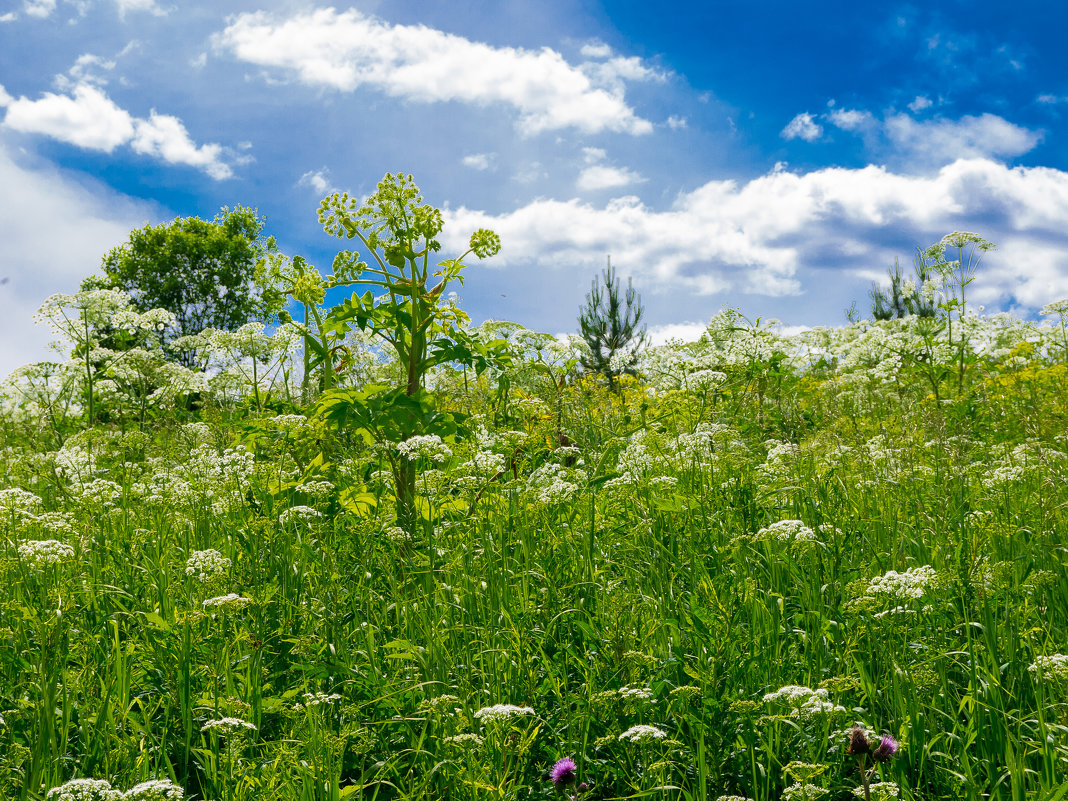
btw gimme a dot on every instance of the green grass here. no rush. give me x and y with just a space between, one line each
656 581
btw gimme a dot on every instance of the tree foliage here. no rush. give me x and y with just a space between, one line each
609 322
209 274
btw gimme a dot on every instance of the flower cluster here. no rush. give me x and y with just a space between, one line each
642 734
227 602
39 554
805 702
428 446
226 726
206 565
501 713
1054 666
786 531
908 586
84 790
155 790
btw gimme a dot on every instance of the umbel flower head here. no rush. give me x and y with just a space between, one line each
563 773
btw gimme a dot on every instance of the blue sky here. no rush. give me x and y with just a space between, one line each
772 156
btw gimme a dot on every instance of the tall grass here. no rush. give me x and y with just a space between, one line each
628 573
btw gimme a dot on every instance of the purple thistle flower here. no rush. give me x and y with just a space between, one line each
886 748
564 773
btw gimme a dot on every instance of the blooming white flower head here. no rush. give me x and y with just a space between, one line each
501 713
428 446
803 791
1058 307
225 726
206 565
230 601
786 531
879 791
155 790
298 514
466 740
316 699
635 693
642 734
84 790
1052 667
804 701
908 586
40 554
15 499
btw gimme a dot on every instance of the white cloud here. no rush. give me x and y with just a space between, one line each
596 49
592 155
1051 99
53 233
348 50
920 103
147 6
674 122
685 332
850 119
318 181
757 236
165 137
5 98
600 176
10 16
941 141
480 161
85 71
90 119
39 8
803 126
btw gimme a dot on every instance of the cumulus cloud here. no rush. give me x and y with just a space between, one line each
480 161
89 119
602 176
803 126
349 50
53 233
930 143
850 119
318 181
39 8
939 141
5 98
920 103
756 237
145 6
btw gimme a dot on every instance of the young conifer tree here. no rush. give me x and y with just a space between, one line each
609 322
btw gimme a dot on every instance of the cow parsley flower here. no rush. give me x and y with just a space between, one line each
206 565
44 553
155 790
429 446
227 602
786 531
225 726
500 713
1054 666
908 586
642 734
84 790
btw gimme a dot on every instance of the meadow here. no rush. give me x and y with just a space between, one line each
696 581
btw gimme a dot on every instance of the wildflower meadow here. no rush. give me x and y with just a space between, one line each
372 551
